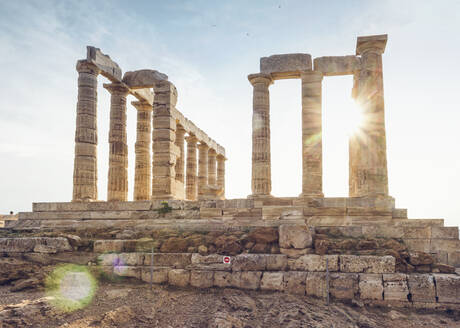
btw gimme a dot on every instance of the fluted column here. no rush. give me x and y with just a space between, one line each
180 132
261 163
202 169
191 182
143 167
117 184
212 169
369 158
85 161
312 149
221 173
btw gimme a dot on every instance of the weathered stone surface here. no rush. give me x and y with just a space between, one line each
179 277
108 67
127 271
272 281
263 235
250 279
367 264
421 288
316 284
27 244
344 286
202 279
337 65
160 275
395 287
371 287
313 263
295 236
249 262
420 258
145 78
107 246
224 279
276 262
286 65
447 288
173 260
44 249
295 253
295 282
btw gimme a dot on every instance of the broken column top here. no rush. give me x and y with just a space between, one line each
377 42
144 78
108 67
285 66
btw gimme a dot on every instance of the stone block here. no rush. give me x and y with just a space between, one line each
294 282
249 262
106 246
210 212
315 263
447 245
337 65
421 288
108 67
224 279
370 286
367 264
295 253
28 244
417 232
344 286
444 233
399 213
420 245
295 236
179 277
286 65
272 281
236 279
453 258
316 284
447 288
122 259
146 78
173 260
395 287
250 279
127 271
160 275
201 279
383 231
276 262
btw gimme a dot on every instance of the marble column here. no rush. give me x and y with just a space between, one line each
221 173
143 167
202 169
261 164
212 169
117 184
312 149
191 182
180 132
85 161
370 174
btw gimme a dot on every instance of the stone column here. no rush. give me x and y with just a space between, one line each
117 184
261 165
202 169
369 160
191 182
85 162
165 152
180 132
212 169
221 173
312 149
143 167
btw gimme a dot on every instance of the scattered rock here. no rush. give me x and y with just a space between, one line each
295 236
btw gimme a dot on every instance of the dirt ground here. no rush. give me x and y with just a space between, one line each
129 303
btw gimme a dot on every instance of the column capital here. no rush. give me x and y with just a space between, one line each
180 129
221 158
260 78
203 145
117 87
191 139
212 151
371 44
142 106
84 66
311 76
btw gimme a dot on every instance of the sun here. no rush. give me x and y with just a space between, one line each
353 118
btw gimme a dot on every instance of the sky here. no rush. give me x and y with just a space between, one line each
207 48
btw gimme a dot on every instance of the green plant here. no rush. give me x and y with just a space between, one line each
165 209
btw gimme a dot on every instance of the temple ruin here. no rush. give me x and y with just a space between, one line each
374 251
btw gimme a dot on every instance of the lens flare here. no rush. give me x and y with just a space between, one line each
70 287
354 120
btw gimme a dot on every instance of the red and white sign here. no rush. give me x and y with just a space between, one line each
227 260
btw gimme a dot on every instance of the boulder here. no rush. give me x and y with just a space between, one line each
174 245
272 281
264 235
295 236
420 258
228 245
443 268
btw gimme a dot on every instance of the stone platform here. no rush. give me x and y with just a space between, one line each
351 217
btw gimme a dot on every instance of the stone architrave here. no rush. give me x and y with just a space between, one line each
191 181
85 162
221 173
143 166
285 66
165 152
261 158
180 133
202 169
212 168
107 67
312 151
368 160
117 185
